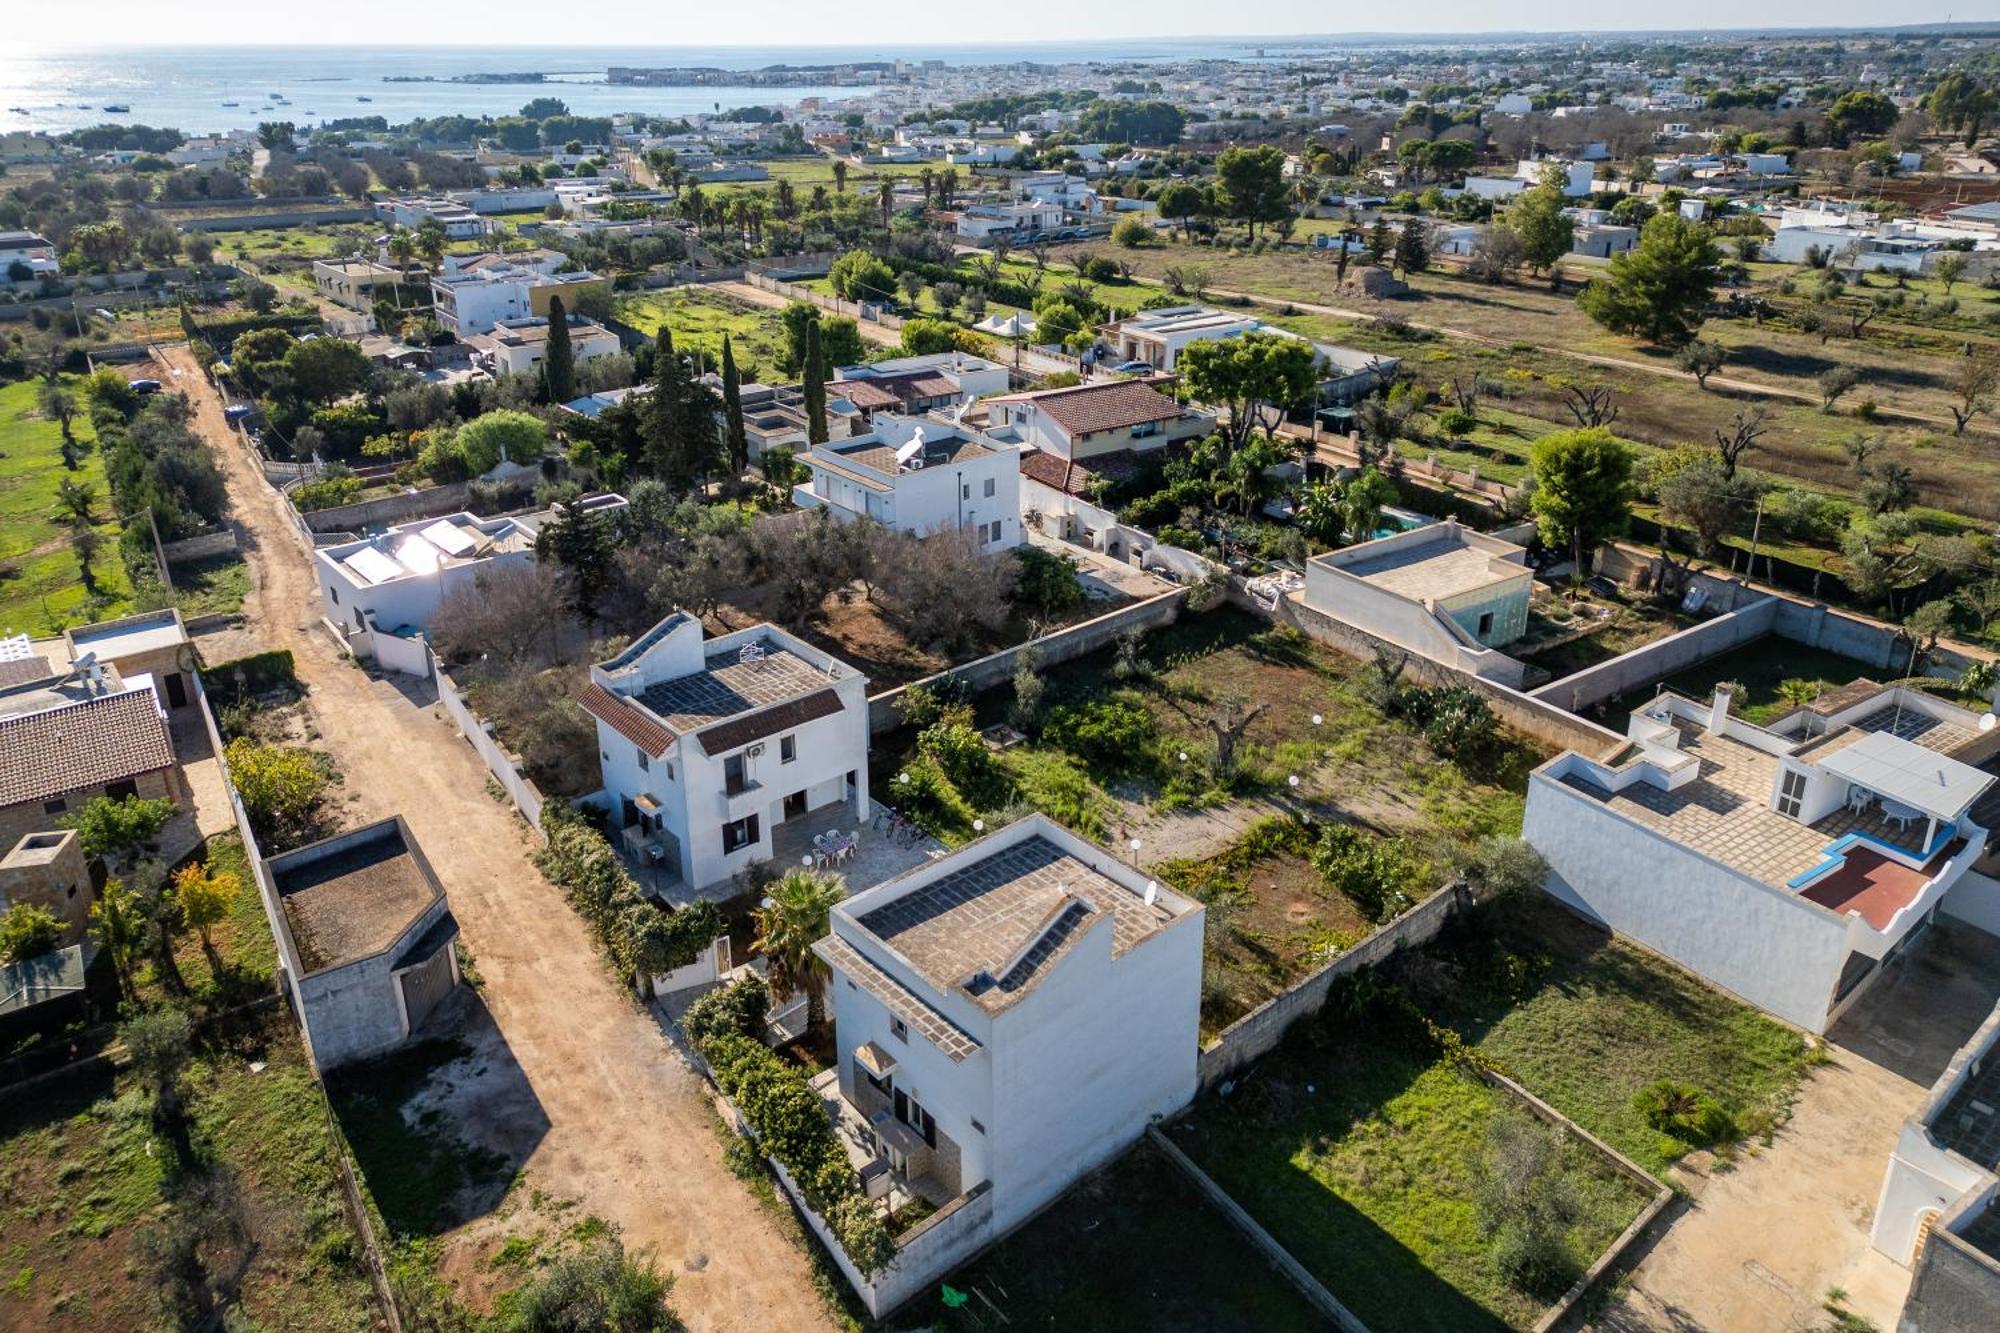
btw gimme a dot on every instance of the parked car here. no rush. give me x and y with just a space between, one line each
1133 368
145 386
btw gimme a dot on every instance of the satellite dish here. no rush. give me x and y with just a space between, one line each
1986 721
911 455
1152 892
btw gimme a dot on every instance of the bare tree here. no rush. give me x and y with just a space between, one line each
1228 722
1466 391
1974 384
943 591
1739 439
511 617
1590 406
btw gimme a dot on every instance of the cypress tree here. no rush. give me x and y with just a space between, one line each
732 407
559 365
664 409
815 386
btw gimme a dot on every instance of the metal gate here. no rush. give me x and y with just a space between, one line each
426 985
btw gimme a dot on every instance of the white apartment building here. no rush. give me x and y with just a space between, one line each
1788 863
720 754
1007 1018
920 475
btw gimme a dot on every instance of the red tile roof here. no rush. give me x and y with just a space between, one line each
875 394
624 719
80 745
739 731
1073 476
1090 408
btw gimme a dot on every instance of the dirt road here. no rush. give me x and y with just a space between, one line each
574 1080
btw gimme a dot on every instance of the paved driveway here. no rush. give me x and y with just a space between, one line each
574 1082
1762 1241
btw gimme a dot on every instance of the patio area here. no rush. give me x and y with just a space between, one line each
890 1191
876 856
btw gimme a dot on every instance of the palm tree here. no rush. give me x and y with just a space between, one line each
402 247
885 199
800 904
840 175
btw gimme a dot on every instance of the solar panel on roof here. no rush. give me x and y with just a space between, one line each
417 555
373 566
449 538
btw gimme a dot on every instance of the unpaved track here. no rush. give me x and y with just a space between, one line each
629 1129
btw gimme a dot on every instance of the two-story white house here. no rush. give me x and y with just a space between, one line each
909 385
27 252
717 754
1788 863
518 346
920 475
477 297
1091 420
1007 1018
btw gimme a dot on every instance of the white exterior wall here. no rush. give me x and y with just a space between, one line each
1923 1175
411 600
1779 952
585 345
475 307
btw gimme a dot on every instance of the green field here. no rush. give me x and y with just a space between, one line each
40 590
699 319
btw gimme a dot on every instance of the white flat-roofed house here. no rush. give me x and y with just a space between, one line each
352 282
27 252
460 223
518 346
1158 337
1007 1019
936 382
980 221
920 475
376 591
1788 863
477 297
718 754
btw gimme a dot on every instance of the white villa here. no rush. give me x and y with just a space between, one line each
1007 1019
475 297
940 382
1158 337
387 587
920 475
1789 863
719 754
518 346
1096 419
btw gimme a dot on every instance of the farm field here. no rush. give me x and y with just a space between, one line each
40 588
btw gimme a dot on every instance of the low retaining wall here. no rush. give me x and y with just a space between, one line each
430 502
209 544
1531 716
885 710
505 769
1281 1258
295 217
1258 1032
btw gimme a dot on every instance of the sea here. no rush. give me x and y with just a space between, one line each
204 89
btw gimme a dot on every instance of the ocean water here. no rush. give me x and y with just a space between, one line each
185 87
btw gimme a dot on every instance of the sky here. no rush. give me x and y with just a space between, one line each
902 22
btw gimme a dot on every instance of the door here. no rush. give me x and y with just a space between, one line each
426 985
795 805
177 695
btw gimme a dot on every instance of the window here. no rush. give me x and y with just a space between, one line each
989 488
1485 624
644 762
788 749
55 807
965 492
739 834
118 791
899 1029
916 1117
1791 793
334 593
1145 429
734 779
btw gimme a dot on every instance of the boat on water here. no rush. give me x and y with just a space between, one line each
117 108
18 110
364 99
232 104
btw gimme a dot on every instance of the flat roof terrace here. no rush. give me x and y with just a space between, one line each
732 683
354 899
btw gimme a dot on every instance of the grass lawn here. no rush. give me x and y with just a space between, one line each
700 318
1366 1158
84 1182
1585 1021
1133 1246
40 591
217 584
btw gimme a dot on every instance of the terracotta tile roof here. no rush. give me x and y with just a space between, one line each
1090 408
873 395
740 731
624 719
1073 476
85 744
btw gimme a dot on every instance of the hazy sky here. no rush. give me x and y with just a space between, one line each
902 22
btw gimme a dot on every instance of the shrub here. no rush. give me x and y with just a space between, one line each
1527 1205
1369 871
1115 735
1132 233
283 790
961 755
1509 866
1048 582
1455 423
1456 722
1686 1113
1056 785
328 493
740 1007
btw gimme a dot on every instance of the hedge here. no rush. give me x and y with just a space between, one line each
634 934
787 1119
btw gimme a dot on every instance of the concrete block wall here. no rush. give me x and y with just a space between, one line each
1663 657
430 502
885 710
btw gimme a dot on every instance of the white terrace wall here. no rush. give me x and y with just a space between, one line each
1663 657
885 710
1553 726
430 502
503 766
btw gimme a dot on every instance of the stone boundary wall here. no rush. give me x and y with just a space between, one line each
1259 1032
478 732
1661 658
429 502
220 542
885 710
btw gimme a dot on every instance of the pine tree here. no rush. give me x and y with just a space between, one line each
559 365
732 407
1413 250
815 387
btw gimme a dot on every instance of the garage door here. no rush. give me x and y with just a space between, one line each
426 985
